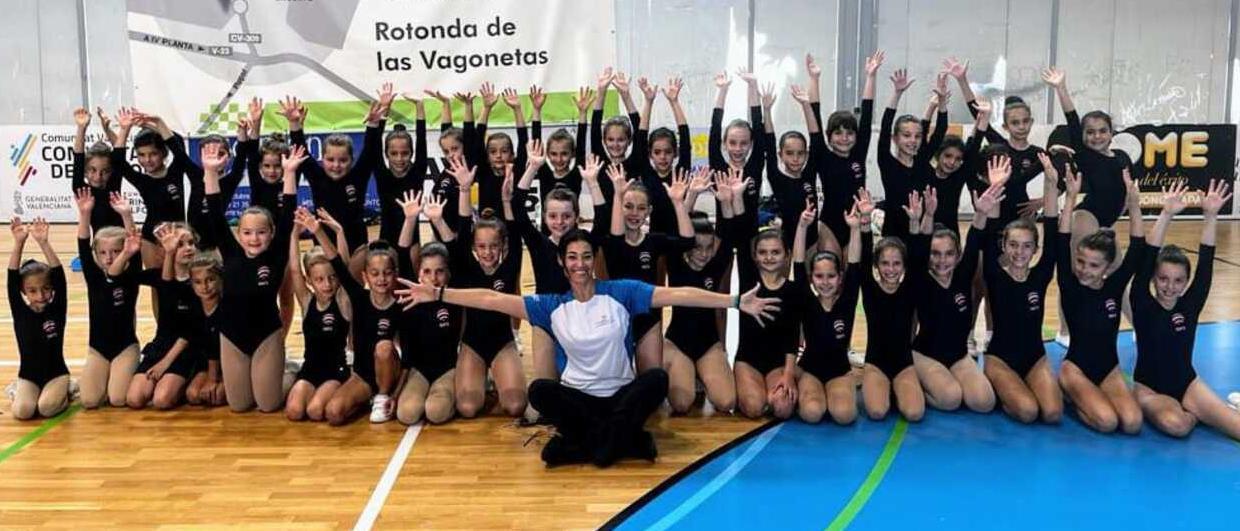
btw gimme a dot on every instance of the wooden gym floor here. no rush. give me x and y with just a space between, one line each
195 467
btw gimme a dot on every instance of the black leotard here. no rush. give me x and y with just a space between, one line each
1093 315
544 253
945 315
164 197
345 198
198 212
756 163
248 310
640 262
486 332
430 336
792 192
695 330
765 347
828 333
1017 337
898 179
40 335
489 180
111 303
370 324
101 215
950 188
889 316
1165 337
1025 168
173 322
1102 176
390 188
843 177
326 331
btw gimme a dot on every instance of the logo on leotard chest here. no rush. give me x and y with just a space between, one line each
443 317
808 189
708 283
118 296
383 328
1112 308
858 171
328 322
962 302
264 275
840 327
1179 322
1035 301
351 192
174 192
1025 164
50 330
497 284
645 258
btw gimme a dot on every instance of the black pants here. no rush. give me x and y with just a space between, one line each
580 417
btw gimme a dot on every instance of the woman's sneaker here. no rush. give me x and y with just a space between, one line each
381 409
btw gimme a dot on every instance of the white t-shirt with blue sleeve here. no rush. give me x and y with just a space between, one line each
594 336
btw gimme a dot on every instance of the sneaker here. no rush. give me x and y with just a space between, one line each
1063 339
11 391
1233 400
973 348
74 389
857 359
381 409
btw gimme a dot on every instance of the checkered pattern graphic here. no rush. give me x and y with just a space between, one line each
225 122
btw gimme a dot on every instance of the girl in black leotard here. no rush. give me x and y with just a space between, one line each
405 170
162 185
494 152
633 253
38 302
693 346
792 168
945 306
93 170
168 360
661 154
1168 389
251 339
739 145
325 320
112 292
908 168
1092 301
1016 362
610 141
206 277
566 153
829 310
841 168
888 301
484 254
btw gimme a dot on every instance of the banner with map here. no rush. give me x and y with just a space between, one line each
197 63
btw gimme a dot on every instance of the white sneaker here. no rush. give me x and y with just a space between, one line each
857 359
381 409
74 389
1063 339
1234 400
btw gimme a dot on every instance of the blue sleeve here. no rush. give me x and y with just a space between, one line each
633 294
538 309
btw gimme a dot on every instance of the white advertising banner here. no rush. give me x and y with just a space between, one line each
197 63
36 177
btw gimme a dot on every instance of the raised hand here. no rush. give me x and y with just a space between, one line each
649 91
303 217
1072 181
913 208
293 159
443 98
900 80
1132 187
411 97
619 181
133 242
463 174
738 183
1216 196
811 67
120 204
326 218
986 203
411 205
983 107
376 114
487 92
621 82
998 169
505 187
679 186
672 90
292 110
699 182
81 117
511 98
865 204
214 157
537 97
20 232
590 171
809 215
604 79
105 122
799 94
85 201
768 96
930 201
874 62
584 99
255 111
1054 77
466 98
1173 197
955 68
723 191
385 96
168 237
747 76
722 80
127 117
39 230
432 206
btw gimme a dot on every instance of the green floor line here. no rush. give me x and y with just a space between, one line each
875 477
38 432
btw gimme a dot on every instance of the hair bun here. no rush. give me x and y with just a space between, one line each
1013 100
276 137
399 127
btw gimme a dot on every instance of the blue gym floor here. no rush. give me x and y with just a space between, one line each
965 470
